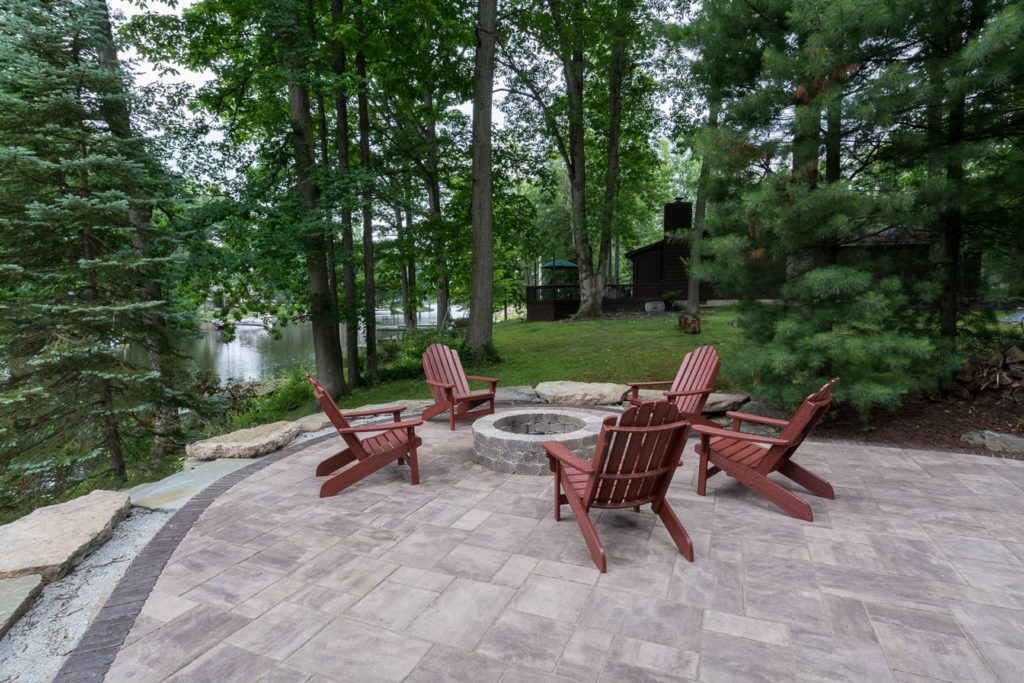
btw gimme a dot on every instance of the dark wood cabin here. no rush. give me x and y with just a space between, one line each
659 275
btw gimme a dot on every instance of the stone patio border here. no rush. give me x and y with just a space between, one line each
95 652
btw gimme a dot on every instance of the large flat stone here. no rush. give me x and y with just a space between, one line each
412 406
174 491
245 443
522 394
313 423
52 540
16 596
720 402
994 441
582 393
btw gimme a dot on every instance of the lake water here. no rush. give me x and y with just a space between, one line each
253 354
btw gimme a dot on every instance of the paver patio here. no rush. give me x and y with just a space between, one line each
915 571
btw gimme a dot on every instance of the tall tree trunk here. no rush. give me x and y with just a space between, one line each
951 218
699 214
370 294
431 180
571 55
481 307
111 434
616 76
410 309
833 139
105 399
166 423
403 271
323 312
351 314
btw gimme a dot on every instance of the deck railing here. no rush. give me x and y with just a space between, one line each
642 292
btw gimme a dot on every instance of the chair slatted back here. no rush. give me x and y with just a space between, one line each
811 410
442 364
636 458
336 418
699 370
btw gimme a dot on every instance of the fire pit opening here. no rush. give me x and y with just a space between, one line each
539 423
512 441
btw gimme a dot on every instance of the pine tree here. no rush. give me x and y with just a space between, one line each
77 263
861 124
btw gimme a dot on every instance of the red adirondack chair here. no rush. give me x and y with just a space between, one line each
396 442
448 386
739 455
692 385
633 465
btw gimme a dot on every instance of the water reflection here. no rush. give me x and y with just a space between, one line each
253 354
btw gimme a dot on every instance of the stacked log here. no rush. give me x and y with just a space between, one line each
1003 371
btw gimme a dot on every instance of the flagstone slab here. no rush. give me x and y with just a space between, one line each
16 596
994 441
245 443
718 401
582 393
52 540
521 394
313 423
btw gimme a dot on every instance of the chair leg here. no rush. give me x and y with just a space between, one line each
702 471
414 465
675 528
587 528
558 491
451 418
809 480
336 461
774 493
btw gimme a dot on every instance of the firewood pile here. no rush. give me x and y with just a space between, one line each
1003 371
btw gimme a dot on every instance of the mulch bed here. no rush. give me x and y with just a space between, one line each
928 423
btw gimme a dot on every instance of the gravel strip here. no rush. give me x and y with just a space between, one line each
35 647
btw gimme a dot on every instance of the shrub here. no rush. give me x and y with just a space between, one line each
281 404
838 322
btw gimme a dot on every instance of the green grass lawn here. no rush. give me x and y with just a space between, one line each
635 350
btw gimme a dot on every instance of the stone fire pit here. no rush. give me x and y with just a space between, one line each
511 441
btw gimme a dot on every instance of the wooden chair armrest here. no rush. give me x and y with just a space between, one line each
708 432
387 426
442 385
688 392
648 384
374 411
558 451
490 380
747 417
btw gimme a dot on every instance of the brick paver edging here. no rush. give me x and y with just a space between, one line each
95 652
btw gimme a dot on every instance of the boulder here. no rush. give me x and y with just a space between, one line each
16 596
412 406
582 393
994 441
649 394
245 443
523 394
720 402
52 540
765 409
758 428
313 423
